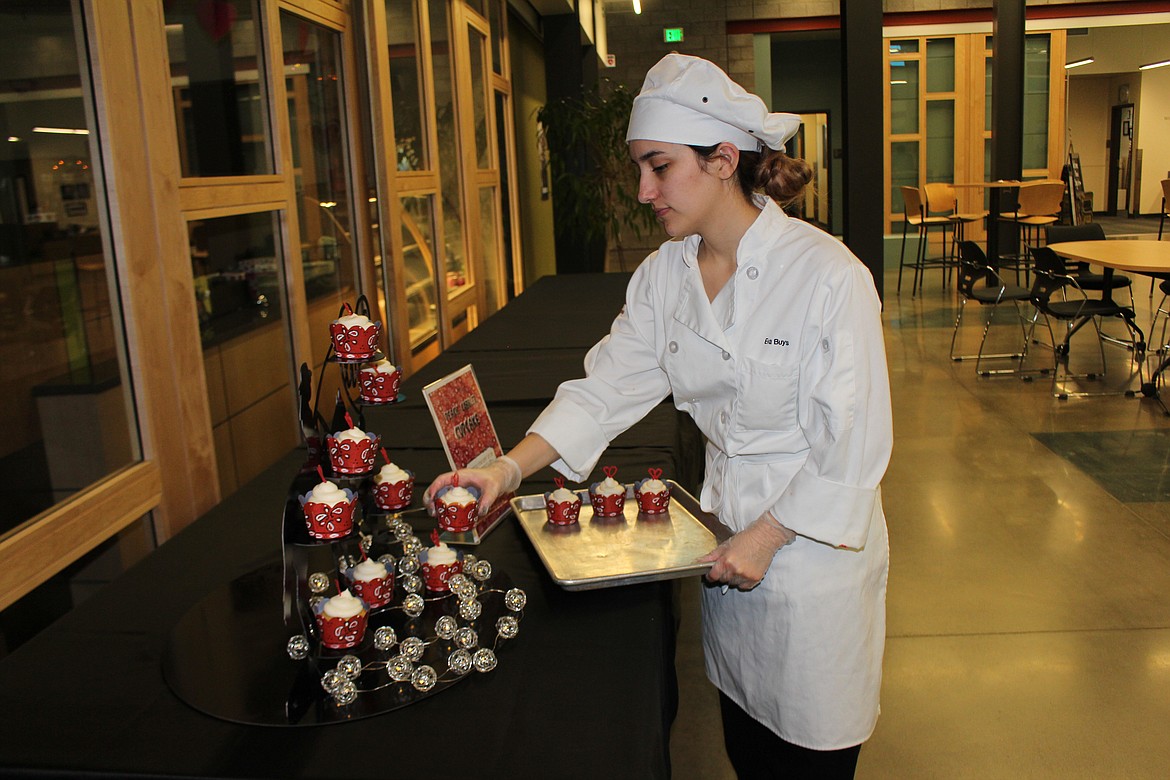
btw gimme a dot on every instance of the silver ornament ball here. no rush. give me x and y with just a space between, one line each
446 626
459 661
332 680
408 564
318 582
515 599
413 604
411 583
484 660
298 647
400 668
412 648
482 571
466 638
508 627
470 609
350 666
346 693
385 638
424 678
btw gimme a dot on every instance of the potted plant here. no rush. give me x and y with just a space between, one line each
594 184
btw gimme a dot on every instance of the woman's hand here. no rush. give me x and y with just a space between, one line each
743 560
500 477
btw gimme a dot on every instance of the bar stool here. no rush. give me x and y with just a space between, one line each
941 201
915 214
1037 206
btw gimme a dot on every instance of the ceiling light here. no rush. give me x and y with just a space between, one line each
1153 65
637 6
1078 63
901 81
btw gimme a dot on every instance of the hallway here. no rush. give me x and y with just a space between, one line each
1029 594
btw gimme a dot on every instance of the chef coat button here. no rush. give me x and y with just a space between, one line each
726 355
673 346
723 417
753 273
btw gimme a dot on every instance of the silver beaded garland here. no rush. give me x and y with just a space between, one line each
408 564
456 583
482 571
508 627
385 638
469 559
350 666
424 678
459 661
400 668
411 583
298 647
318 582
412 545
346 693
346 562
388 561
515 599
412 648
365 542
466 638
413 604
314 601
332 680
445 627
470 609
484 660
402 530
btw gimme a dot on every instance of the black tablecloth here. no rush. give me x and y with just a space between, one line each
587 689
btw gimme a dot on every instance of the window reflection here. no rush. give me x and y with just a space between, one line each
454 257
479 98
405 78
418 262
218 85
67 398
312 66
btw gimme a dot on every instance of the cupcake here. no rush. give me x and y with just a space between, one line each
328 510
393 488
456 507
353 451
373 582
563 505
379 382
342 620
608 496
653 495
354 337
439 563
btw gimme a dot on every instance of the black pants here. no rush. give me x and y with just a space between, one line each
757 753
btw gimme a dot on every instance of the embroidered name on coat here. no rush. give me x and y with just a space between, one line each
776 342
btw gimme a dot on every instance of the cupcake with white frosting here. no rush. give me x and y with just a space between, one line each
342 620
456 507
379 382
653 494
562 505
354 337
328 510
608 497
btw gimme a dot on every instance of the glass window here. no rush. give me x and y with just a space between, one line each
987 67
940 140
67 412
217 78
499 42
246 356
489 218
903 171
479 98
1036 65
418 264
405 81
903 96
940 65
312 66
904 47
454 258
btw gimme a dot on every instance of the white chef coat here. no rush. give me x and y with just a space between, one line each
793 399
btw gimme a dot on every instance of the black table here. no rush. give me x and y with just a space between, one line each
587 689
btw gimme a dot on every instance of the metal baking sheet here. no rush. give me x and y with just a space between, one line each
603 552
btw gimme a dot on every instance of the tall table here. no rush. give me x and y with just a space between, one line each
1143 257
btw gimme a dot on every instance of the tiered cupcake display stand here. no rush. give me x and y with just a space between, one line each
368 624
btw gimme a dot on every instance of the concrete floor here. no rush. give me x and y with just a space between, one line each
1029 606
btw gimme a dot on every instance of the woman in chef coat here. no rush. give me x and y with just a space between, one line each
767 332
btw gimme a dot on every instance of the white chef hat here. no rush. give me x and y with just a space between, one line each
688 100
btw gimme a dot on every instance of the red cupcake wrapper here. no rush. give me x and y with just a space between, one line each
436 577
326 521
653 503
379 387
350 457
394 495
562 512
356 343
375 592
608 506
342 633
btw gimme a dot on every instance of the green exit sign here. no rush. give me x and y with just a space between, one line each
672 34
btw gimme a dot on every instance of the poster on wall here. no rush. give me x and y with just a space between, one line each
469 439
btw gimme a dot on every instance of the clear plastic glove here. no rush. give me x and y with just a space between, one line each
742 561
501 476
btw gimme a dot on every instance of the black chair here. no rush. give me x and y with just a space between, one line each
1050 278
1086 279
980 282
